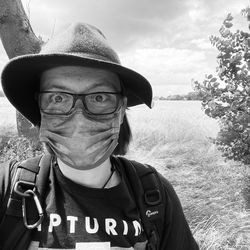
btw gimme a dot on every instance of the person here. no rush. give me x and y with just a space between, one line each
76 92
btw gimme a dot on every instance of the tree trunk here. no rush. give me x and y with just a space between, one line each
18 39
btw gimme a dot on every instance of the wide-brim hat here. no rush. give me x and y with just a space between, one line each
80 45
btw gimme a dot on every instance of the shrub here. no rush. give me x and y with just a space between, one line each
18 148
226 97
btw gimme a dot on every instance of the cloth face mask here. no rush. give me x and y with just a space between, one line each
80 141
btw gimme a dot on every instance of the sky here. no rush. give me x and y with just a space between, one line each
167 41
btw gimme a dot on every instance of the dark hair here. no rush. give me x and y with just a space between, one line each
124 139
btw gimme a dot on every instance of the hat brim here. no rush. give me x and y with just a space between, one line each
20 80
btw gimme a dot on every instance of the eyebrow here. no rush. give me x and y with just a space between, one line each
57 86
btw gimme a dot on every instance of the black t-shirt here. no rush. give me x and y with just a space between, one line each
78 217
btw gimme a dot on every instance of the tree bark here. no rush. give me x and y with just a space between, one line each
18 39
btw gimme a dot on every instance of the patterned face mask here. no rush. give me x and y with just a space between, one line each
80 140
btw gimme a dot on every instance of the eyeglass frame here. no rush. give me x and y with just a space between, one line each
82 98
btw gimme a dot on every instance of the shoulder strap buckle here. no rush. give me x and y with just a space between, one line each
21 188
153 197
31 193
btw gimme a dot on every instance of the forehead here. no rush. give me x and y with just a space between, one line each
77 79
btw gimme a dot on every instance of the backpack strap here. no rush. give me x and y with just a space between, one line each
9 167
150 198
14 233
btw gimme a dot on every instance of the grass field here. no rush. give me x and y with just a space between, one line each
174 138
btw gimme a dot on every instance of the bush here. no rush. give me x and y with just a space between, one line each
226 97
18 148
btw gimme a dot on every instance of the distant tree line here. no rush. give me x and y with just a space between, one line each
191 96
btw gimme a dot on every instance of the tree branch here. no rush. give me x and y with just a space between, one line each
18 39
16 32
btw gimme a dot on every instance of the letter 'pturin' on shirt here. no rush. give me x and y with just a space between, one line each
77 217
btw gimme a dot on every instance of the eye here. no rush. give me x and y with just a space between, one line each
57 98
100 98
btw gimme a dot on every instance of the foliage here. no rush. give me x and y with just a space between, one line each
191 96
227 97
18 148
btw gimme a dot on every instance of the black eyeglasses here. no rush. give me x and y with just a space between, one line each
62 103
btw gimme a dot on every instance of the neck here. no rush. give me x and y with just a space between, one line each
94 178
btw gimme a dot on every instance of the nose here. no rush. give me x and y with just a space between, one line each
80 121
80 114
79 104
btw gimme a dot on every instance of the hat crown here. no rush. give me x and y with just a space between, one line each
82 39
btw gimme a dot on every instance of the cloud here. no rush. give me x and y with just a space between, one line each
123 22
131 24
171 89
196 10
202 43
168 66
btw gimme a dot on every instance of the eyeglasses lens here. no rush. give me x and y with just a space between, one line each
55 102
101 103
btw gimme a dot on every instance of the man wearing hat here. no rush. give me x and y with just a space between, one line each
76 91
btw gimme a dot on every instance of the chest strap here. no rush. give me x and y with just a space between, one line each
24 210
149 197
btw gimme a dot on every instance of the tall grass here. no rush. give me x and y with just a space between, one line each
176 139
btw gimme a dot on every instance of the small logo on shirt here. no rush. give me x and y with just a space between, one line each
150 213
